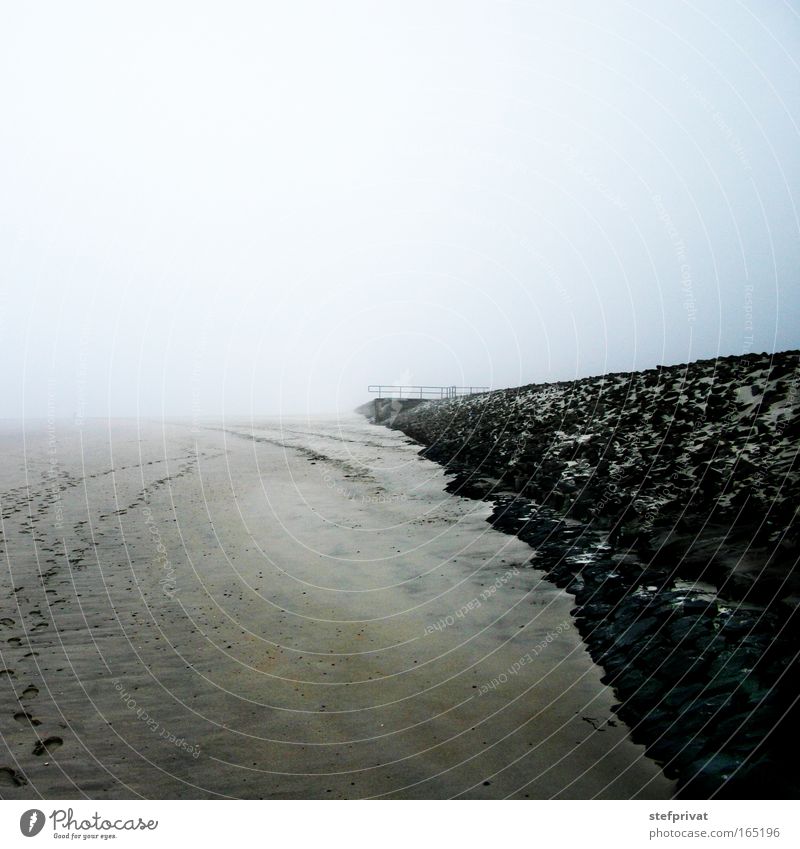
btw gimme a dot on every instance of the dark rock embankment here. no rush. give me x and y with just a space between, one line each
666 502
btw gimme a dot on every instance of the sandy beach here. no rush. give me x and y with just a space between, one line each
281 609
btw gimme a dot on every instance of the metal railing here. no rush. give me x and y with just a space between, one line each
425 391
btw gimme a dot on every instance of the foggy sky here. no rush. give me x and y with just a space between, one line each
255 208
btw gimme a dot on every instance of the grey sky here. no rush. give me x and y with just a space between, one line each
262 207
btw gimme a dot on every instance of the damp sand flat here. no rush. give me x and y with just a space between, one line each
293 609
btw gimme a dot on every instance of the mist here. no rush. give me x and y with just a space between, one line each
247 209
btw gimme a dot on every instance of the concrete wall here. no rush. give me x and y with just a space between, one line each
385 410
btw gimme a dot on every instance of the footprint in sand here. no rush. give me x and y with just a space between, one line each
23 716
7 623
30 692
11 777
9 673
47 746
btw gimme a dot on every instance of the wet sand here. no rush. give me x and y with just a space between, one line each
288 609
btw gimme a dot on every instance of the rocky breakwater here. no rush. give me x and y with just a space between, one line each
666 502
